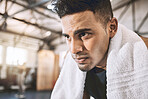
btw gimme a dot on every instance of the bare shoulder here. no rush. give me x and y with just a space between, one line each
145 40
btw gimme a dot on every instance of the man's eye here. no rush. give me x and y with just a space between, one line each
67 37
83 34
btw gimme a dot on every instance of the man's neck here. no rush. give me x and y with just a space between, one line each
103 62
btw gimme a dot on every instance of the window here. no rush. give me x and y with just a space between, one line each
1 48
16 56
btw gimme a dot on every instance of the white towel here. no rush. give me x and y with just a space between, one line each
70 84
127 70
127 66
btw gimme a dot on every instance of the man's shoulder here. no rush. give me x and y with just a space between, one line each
145 40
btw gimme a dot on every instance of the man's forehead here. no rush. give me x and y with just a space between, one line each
73 22
77 17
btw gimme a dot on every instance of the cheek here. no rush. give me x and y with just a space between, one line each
97 45
89 44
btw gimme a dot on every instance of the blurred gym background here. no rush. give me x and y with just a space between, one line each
32 48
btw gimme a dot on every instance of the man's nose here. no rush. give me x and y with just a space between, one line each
76 47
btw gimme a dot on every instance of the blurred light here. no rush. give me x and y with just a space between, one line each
48 33
16 56
50 6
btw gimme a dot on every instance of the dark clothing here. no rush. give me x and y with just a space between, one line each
95 84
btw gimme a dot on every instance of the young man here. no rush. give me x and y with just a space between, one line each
90 29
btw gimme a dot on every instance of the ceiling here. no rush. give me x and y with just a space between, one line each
29 18
33 20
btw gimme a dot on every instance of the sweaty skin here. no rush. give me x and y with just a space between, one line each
87 39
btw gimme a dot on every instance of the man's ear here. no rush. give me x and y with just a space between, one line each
113 26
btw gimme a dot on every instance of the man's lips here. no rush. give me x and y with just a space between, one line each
81 59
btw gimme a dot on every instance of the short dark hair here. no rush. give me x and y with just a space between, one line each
101 7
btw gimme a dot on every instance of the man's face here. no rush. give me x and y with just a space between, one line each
87 39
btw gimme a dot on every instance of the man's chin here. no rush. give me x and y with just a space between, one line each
84 67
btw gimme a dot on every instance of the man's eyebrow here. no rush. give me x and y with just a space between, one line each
64 34
77 31
81 30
